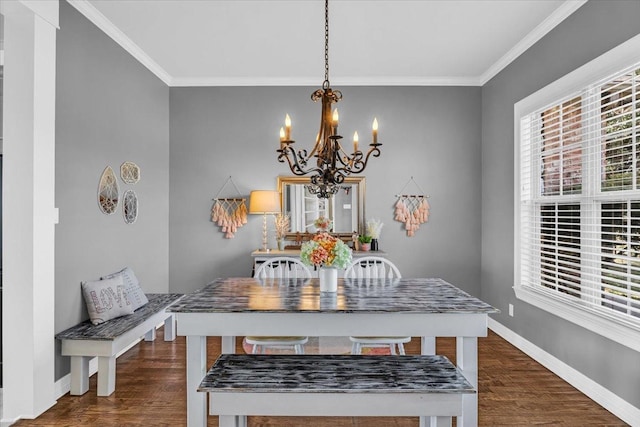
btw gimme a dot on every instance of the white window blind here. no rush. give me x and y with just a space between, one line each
578 199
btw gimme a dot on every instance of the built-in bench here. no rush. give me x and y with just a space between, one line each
105 341
327 385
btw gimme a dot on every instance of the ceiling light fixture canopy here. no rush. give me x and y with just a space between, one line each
332 163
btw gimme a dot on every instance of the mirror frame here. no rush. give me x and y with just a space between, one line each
359 180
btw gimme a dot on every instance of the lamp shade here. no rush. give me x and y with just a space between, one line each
264 202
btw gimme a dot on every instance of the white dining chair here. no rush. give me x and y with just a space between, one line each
280 268
283 268
375 267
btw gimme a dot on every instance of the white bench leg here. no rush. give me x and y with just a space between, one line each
79 375
106 375
150 335
170 328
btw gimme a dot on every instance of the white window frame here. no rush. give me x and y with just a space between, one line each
607 64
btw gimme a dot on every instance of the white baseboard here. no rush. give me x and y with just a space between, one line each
602 396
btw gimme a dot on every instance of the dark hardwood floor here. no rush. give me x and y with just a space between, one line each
514 390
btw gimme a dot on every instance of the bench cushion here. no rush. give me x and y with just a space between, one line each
113 328
334 374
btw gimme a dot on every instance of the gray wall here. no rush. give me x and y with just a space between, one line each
109 109
430 133
457 143
592 30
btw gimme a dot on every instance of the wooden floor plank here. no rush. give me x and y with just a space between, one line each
514 390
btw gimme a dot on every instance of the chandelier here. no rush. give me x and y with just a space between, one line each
332 163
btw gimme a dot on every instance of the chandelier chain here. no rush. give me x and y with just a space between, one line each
326 45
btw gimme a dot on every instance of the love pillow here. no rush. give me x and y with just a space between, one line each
106 299
131 286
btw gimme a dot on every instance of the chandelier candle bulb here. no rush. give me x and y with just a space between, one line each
287 125
355 142
375 130
282 136
334 121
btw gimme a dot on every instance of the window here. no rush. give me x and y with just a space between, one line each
578 196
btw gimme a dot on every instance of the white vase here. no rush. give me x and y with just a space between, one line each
328 279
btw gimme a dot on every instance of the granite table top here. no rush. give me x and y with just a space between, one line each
244 294
334 374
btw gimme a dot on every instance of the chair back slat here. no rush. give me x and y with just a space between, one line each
372 267
283 268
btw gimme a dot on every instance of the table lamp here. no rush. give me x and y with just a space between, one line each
264 202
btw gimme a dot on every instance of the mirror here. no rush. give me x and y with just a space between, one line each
130 206
108 191
345 208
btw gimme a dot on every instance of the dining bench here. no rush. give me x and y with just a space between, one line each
105 341
239 385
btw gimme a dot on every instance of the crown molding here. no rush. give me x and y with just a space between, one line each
559 15
104 24
315 81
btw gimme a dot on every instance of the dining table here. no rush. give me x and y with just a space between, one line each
417 307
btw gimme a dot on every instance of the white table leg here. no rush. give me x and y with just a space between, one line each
428 347
442 421
228 345
232 420
467 361
196 370
227 421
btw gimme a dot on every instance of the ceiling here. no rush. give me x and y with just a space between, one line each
281 42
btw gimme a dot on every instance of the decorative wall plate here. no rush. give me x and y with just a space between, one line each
108 191
130 206
130 172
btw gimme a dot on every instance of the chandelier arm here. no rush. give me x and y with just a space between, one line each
347 160
298 163
296 166
374 151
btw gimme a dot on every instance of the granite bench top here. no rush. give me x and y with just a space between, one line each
112 329
334 374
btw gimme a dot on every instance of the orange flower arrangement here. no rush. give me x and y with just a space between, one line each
325 250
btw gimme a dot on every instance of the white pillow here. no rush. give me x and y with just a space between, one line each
131 286
106 299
